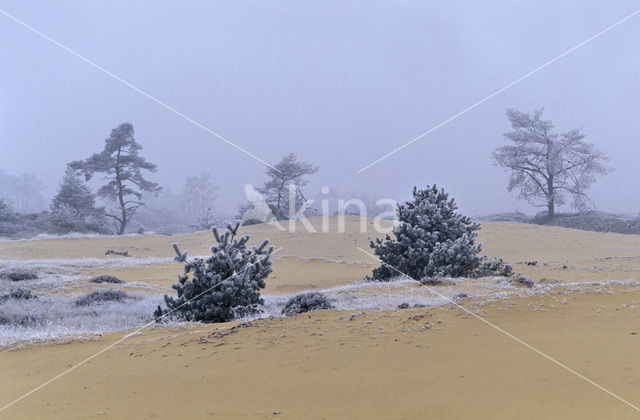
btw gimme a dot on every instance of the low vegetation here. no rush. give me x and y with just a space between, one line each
305 302
18 275
520 280
18 293
102 296
105 278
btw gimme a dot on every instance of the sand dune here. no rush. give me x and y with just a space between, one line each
431 362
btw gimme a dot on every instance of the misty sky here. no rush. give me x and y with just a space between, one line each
339 83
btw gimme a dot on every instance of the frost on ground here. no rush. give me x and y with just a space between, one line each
63 284
55 316
390 295
78 263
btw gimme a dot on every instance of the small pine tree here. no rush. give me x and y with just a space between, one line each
284 186
74 206
432 240
224 286
5 211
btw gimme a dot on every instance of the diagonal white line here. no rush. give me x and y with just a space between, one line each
128 335
530 347
518 80
140 91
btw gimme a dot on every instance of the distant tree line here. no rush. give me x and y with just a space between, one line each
122 192
125 200
22 193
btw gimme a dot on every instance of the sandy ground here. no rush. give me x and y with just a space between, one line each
412 363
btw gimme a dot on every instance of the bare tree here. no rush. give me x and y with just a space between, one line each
546 166
122 166
289 174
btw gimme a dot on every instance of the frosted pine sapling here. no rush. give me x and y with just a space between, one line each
432 240
223 286
5 211
74 206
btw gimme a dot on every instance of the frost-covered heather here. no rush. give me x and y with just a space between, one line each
605 286
281 257
73 235
46 283
64 284
387 296
54 318
64 275
72 263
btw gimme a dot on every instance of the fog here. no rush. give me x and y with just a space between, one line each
338 83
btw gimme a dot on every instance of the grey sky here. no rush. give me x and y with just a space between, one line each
338 83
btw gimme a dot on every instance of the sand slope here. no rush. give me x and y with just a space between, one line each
412 363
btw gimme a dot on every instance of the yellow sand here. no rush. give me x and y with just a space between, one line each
412 363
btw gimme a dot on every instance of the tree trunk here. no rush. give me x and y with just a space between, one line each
123 224
123 207
551 210
278 212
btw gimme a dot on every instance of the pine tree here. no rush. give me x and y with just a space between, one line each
284 186
224 286
5 211
432 240
122 165
546 166
74 206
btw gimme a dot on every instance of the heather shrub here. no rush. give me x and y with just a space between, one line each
18 275
105 278
305 302
101 296
18 293
519 279
21 320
